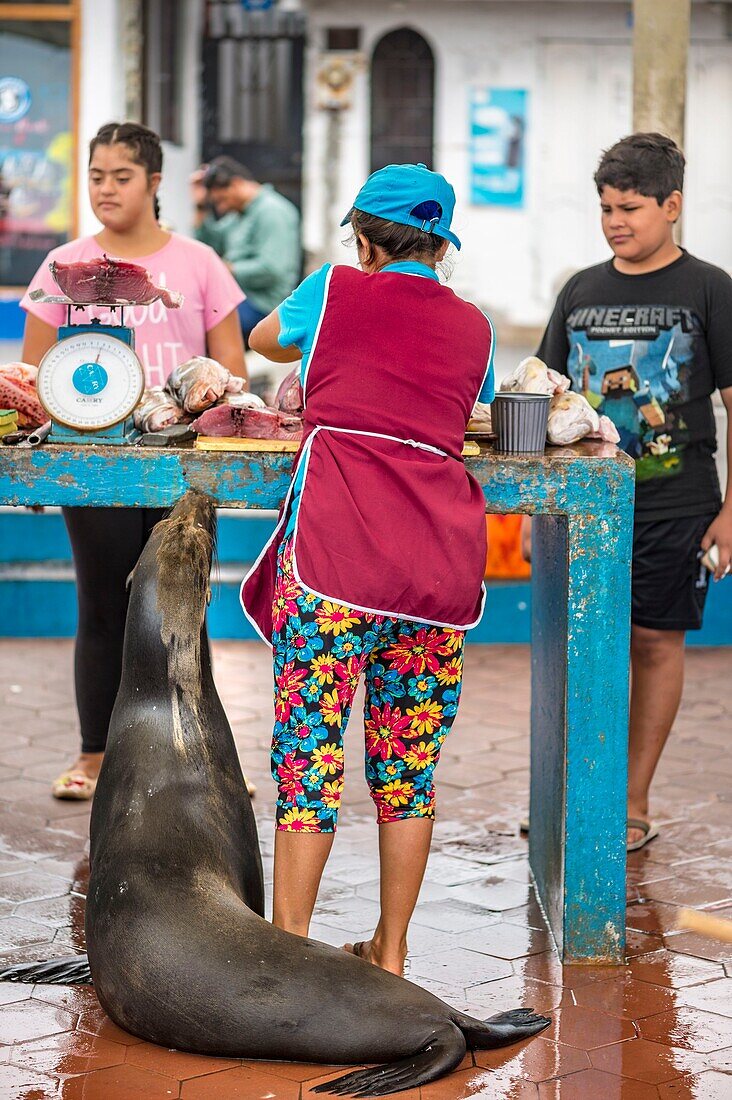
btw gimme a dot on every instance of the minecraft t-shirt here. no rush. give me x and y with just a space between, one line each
648 351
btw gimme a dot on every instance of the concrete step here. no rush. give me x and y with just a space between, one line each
38 598
41 536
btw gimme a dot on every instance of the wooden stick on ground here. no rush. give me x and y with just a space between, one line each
716 928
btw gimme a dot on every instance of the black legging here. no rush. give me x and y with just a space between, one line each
106 544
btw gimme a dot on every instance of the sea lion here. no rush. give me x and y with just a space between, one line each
178 948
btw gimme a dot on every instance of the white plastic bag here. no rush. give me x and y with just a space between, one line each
571 418
534 376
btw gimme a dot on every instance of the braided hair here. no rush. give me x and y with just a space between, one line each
144 145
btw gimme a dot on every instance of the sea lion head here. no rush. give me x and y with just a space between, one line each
169 593
184 547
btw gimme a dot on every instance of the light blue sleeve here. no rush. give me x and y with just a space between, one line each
300 312
488 389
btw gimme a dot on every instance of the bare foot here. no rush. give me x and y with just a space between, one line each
368 951
88 763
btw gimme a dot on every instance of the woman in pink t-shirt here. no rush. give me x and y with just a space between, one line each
125 164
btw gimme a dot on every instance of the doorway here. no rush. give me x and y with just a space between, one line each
402 100
252 90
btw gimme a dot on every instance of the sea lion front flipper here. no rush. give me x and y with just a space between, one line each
444 1051
72 970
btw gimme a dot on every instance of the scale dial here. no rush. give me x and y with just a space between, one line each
90 381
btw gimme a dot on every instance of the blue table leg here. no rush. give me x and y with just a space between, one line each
579 729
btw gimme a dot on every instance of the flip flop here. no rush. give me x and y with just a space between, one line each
75 786
649 830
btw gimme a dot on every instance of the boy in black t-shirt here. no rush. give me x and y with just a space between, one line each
647 338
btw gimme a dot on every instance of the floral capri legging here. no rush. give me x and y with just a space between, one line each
413 680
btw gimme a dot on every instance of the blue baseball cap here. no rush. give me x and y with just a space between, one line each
409 194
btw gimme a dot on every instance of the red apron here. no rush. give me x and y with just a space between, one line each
389 520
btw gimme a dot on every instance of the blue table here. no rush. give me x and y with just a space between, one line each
583 499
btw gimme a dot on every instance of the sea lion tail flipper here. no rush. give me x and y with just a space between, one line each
442 1053
72 970
501 1030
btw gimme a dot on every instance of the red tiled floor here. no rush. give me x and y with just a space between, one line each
659 1028
68 1054
24 1084
540 1060
627 997
588 1028
690 1028
713 996
297 1071
468 1083
676 971
491 997
32 1019
689 943
592 1083
702 1086
174 1063
242 1083
120 1083
644 1061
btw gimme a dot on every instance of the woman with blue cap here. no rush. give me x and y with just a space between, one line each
376 565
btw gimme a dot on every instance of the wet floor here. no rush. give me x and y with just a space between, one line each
660 1027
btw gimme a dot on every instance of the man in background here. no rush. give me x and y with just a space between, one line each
254 229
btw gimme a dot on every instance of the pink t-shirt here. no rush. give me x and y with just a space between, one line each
163 337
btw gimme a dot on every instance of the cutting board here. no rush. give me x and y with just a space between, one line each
235 443
275 446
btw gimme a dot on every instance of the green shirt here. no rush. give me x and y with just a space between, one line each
262 244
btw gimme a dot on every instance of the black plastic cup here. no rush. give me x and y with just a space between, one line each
519 421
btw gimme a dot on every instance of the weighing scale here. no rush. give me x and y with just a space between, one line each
90 381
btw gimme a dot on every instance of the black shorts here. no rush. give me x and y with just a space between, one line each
669 583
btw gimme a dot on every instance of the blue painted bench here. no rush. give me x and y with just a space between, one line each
583 499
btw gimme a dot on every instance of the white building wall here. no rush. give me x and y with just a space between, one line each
179 161
102 92
575 61
573 58
103 100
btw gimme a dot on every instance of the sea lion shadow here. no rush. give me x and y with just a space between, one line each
177 945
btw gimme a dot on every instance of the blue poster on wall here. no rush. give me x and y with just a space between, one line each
497 146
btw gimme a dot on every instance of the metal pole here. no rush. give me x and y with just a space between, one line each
132 51
660 51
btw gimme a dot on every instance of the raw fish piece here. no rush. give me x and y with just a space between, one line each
245 400
250 423
157 410
18 391
20 372
200 382
289 397
533 376
105 280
